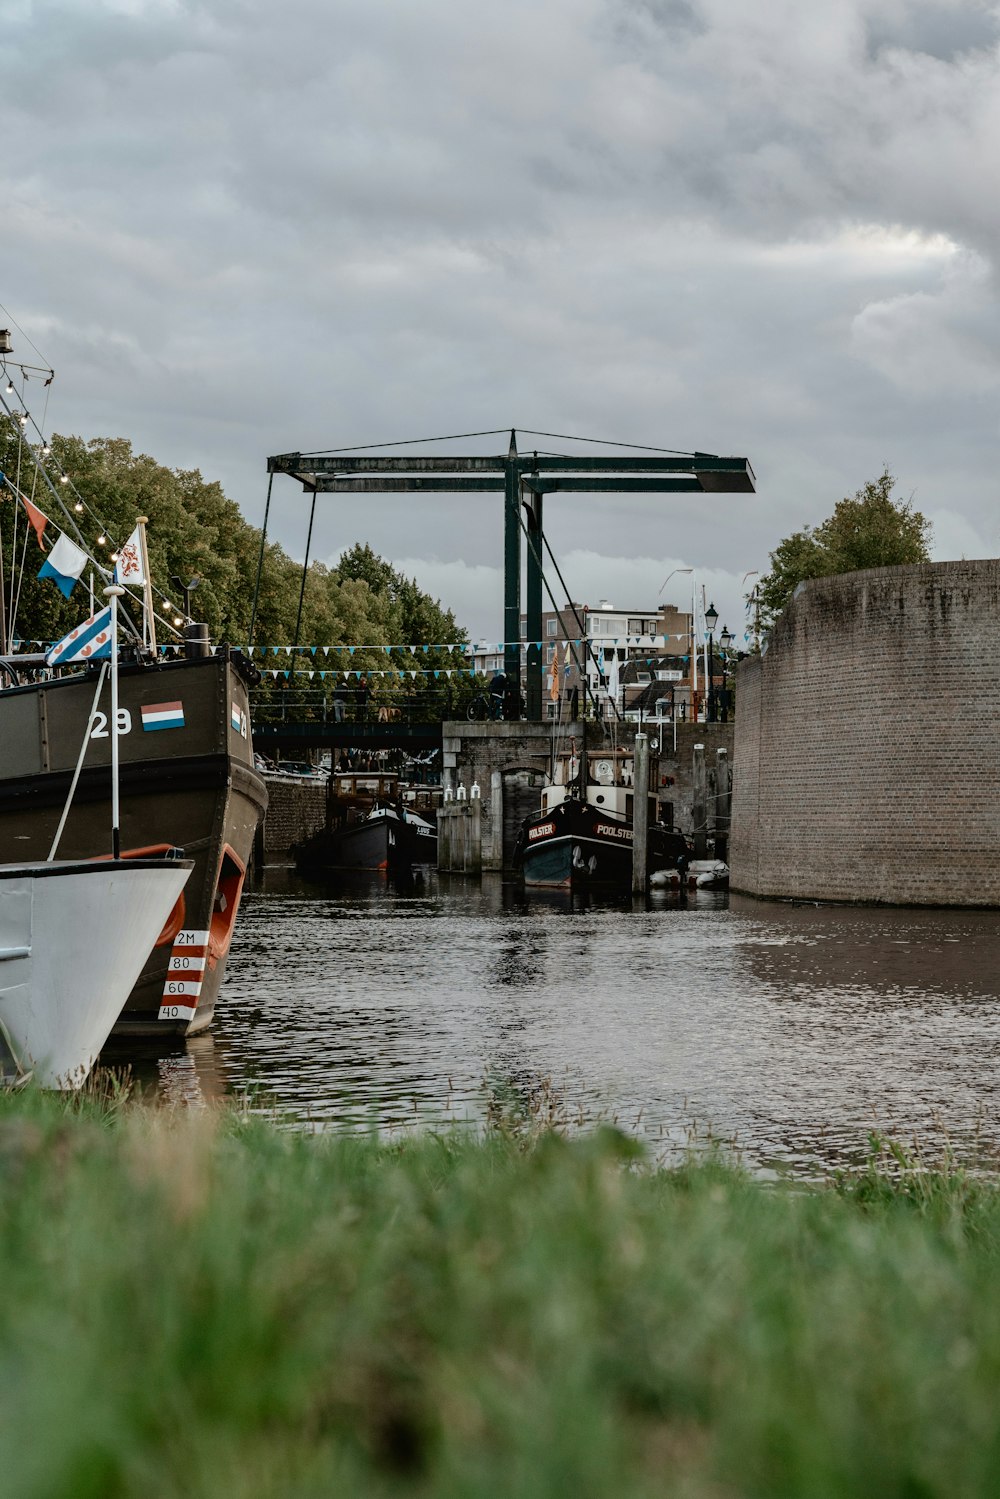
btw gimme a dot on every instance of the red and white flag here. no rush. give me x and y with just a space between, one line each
128 568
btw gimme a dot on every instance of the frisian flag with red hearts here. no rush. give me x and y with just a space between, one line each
90 641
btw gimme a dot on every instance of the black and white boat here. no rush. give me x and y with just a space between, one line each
581 836
388 838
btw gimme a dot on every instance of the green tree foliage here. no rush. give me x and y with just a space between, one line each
195 530
871 529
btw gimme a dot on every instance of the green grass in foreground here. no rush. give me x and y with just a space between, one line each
205 1307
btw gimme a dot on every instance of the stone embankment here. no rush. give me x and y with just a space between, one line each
866 755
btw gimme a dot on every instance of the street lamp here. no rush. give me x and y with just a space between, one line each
694 642
725 641
711 620
187 589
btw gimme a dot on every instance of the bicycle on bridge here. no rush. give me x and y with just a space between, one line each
489 705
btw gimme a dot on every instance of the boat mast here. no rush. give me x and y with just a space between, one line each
114 593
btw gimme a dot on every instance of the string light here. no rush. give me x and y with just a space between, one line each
102 539
78 507
64 478
46 450
178 621
114 556
10 387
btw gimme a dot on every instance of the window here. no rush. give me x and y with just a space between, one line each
551 627
524 627
643 677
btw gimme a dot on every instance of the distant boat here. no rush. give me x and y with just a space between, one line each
369 826
74 936
581 836
387 839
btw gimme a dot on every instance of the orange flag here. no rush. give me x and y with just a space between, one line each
36 520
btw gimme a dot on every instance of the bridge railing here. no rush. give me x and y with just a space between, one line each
355 705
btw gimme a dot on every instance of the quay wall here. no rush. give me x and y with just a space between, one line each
295 811
866 757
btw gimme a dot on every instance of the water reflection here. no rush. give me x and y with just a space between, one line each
790 1029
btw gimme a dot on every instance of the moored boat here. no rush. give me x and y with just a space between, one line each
582 835
387 838
73 938
187 780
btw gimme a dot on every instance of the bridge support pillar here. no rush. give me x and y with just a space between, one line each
512 571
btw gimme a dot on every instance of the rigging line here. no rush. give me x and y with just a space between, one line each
24 335
55 493
129 593
569 600
548 590
305 567
40 468
409 442
20 577
260 562
608 442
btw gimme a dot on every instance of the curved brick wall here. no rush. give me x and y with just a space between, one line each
866 759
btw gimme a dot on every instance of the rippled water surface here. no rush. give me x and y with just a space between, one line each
791 1029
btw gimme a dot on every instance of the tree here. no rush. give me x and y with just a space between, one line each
871 529
195 529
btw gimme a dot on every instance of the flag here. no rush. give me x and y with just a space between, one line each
64 564
36 520
90 641
128 568
554 678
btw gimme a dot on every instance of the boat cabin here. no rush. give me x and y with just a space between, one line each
609 783
366 783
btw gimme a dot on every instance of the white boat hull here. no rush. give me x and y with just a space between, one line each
74 937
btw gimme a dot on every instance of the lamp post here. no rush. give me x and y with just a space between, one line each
725 641
694 643
187 589
711 620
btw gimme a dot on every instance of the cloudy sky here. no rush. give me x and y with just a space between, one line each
239 228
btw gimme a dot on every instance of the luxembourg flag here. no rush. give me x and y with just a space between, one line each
64 564
90 641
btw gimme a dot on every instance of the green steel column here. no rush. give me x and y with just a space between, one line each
533 609
512 569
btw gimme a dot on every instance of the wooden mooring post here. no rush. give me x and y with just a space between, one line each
722 805
699 801
640 814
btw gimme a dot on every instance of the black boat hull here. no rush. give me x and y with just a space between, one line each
381 842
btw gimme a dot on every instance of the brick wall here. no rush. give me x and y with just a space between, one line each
295 811
866 756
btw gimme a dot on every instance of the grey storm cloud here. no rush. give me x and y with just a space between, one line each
238 228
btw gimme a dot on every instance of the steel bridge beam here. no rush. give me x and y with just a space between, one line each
524 479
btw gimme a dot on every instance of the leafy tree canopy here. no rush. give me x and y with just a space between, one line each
871 529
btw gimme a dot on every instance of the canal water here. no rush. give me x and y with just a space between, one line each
786 1031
